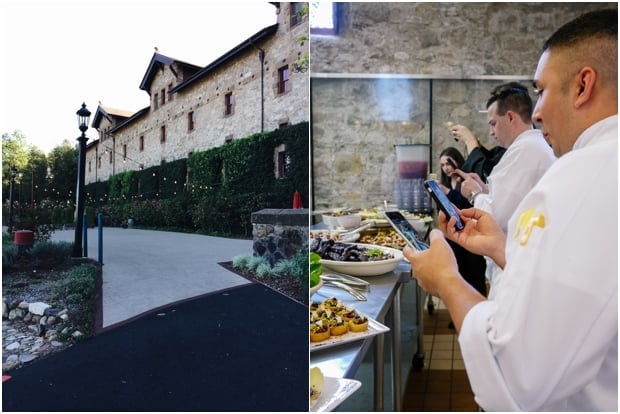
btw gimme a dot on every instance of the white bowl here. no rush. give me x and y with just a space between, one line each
349 221
315 288
330 221
374 268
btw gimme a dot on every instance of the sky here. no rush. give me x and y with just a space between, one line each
56 54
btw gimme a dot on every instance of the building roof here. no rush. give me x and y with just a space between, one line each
250 43
156 61
109 112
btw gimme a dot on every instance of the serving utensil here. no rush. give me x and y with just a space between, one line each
347 280
357 295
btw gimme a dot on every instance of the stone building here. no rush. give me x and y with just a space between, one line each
257 86
397 72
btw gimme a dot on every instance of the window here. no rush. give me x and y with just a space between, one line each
156 101
99 162
111 157
190 121
169 94
283 80
89 165
141 143
296 14
282 161
162 134
124 151
229 103
163 97
323 18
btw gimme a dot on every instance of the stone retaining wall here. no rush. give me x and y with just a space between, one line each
279 233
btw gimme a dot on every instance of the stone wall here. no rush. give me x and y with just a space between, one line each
242 75
279 233
399 71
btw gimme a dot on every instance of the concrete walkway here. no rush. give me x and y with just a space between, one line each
145 269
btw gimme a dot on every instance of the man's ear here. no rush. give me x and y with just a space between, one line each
586 79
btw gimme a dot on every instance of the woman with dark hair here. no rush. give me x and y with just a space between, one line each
471 266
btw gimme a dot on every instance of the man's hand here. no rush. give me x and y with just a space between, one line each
481 234
433 266
437 273
471 182
462 133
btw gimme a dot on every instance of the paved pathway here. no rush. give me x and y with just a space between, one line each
145 269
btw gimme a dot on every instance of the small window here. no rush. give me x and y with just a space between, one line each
99 162
190 121
282 161
111 157
323 18
156 101
296 13
283 80
229 103
124 151
89 165
162 134
169 94
141 143
163 97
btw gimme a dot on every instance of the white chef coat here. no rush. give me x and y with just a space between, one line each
520 168
549 340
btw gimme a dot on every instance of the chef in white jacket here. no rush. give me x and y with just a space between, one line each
549 339
527 158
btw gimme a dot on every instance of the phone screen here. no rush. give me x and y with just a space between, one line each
403 227
442 202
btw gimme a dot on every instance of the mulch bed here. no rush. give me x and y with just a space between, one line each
287 285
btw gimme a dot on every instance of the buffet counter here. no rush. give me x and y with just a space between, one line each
343 360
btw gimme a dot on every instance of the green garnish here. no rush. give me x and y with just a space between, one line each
315 269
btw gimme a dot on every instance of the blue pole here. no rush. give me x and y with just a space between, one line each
100 234
85 235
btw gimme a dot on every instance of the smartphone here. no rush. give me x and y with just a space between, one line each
404 228
442 202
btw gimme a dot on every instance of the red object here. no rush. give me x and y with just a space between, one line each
6 378
297 200
24 237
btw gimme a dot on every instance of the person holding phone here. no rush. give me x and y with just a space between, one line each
471 266
548 341
527 158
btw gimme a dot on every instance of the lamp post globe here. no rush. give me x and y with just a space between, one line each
83 116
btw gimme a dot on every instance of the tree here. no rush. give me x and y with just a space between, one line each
34 179
63 172
15 152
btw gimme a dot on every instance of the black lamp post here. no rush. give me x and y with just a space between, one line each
83 115
12 175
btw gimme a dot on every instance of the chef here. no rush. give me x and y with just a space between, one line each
548 341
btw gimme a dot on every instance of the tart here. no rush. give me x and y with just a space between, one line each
319 331
358 324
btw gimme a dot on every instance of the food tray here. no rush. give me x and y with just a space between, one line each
335 391
374 328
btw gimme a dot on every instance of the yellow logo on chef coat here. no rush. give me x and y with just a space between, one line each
527 221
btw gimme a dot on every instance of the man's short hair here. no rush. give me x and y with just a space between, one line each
512 96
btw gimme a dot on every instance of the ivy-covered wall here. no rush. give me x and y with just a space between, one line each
213 191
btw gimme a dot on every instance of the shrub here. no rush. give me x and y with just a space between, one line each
263 270
77 292
10 253
47 254
254 262
241 261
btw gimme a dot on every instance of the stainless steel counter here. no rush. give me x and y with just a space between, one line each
342 361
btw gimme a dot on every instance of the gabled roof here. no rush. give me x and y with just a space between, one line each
156 61
129 120
250 43
109 113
